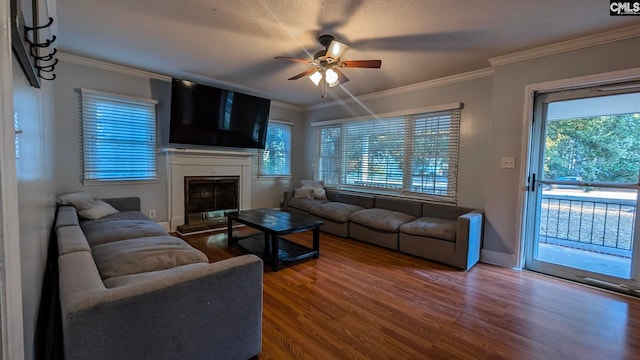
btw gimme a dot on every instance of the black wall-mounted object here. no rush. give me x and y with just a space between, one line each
204 115
29 48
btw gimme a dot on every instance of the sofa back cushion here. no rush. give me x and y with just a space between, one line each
362 200
71 239
146 254
449 212
406 206
67 216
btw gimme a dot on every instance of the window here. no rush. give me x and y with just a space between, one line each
411 154
275 159
118 137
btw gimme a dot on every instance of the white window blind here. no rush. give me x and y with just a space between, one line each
433 149
412 154
118 137
275 159
329 155
373 155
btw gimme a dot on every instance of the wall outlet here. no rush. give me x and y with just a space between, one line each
152 214
508 162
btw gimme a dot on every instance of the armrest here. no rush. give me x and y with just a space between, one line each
288 195
216 309
469 236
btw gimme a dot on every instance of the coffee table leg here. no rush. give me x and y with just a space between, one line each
274 252
316 242
229 232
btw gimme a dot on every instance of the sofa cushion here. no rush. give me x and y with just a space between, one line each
362 200
123 215
442 211
144 277
380 219
335 211
305 204
406 206
103 232
67 216
135 256
71 239
431 227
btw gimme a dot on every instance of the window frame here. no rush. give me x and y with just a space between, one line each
440 191
289 153
89 100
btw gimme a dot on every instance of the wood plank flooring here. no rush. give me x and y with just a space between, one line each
359 301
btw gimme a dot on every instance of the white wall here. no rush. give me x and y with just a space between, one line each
115 79
36 190
504 191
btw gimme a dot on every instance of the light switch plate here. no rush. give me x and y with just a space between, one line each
509 162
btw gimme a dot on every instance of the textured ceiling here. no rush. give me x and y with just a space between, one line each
231 43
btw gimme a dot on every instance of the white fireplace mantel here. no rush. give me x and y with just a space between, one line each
193 162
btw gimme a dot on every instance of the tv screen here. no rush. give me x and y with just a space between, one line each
207 116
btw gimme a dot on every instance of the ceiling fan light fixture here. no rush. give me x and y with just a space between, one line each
331 77
316 77
335 51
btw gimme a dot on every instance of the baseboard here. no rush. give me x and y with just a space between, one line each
498 258
165 225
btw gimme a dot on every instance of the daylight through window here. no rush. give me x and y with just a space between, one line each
413 154
119 137
275 159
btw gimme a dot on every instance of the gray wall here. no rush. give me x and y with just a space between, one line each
36 190
70 79
492 128
504 191
266 192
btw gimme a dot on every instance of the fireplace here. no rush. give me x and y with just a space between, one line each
183 163
206 201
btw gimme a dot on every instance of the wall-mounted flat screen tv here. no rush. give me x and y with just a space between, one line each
203 115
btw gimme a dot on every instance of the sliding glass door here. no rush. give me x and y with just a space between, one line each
582 221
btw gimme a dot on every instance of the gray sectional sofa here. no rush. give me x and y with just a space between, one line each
447 234
129 290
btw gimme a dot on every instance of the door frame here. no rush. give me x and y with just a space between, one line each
11 331
607 78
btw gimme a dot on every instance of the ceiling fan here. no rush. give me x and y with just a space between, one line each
327 63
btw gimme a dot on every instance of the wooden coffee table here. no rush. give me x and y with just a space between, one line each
273 224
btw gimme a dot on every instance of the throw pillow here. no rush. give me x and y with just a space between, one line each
88 206
318 188
299 193
97 210
80 200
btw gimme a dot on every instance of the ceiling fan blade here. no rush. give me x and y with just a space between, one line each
302 74
287 58
341 77
373 64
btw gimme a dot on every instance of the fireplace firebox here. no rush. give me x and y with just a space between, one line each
206 201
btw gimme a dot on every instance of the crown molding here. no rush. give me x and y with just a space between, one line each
409 88
103 65
126 70
569 45
284 105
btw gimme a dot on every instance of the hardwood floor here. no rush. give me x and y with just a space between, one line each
359 301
